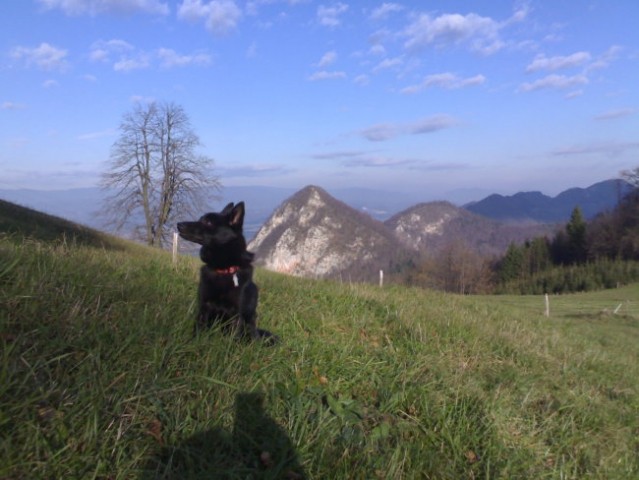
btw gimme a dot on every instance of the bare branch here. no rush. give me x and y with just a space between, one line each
631 176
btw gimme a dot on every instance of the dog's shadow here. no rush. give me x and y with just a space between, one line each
256 448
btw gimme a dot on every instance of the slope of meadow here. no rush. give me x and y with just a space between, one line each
100 376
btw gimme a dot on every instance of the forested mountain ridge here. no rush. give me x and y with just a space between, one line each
535 206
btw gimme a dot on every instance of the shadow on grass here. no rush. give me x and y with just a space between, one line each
256 448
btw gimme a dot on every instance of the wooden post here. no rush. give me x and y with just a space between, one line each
547 300
175 246
381 278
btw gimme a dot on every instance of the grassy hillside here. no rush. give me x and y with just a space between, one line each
101 378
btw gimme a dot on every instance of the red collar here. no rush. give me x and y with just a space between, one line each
227 271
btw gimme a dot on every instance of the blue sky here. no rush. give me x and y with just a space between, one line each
446 98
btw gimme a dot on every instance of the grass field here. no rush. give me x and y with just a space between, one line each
100 376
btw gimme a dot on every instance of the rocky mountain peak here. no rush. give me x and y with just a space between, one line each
416 225
429 227
313 234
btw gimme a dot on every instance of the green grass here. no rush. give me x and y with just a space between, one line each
101 378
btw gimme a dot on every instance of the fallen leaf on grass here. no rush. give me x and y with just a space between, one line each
155 430
323 380
471 456
47 413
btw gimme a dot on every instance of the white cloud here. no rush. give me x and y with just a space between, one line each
479 33
220 16
377 162
384 10
101 51
604 60
12 106
327 59
330 16
610 149
431 124
96 7
380 132
447 80
615 114
541 62
574 94
387 131
326 75
50 83
361 80
339 155
99 55
140 62
520 14
388 63
170 58
255 170
554 82
45 56
125 57
377 50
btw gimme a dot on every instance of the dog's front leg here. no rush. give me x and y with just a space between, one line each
203 320
248 308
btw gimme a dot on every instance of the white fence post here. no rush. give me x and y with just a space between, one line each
547 300
175 246
381 278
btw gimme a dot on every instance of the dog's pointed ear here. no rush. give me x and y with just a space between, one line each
237 215
227 210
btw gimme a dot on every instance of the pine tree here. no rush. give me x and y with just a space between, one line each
576 230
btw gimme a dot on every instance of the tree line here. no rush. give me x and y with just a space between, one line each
582 255
601 253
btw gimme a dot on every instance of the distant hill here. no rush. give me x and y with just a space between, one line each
537 207
24 222
428 227
312 234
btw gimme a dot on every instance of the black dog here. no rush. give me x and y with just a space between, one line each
227 294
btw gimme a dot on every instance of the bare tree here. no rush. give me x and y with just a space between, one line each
632 176
457 268
154 172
